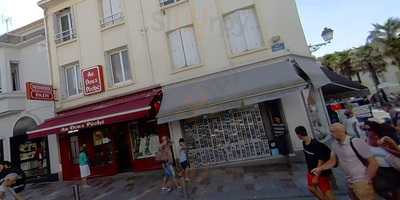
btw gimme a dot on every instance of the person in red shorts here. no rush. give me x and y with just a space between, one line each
316 154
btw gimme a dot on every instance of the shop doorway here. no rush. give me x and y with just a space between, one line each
29 155
123 150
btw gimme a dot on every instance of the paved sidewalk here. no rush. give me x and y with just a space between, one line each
257 181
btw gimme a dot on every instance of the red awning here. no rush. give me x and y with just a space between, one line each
116 110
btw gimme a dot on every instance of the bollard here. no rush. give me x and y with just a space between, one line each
75 189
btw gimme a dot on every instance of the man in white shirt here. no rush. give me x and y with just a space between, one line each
352 125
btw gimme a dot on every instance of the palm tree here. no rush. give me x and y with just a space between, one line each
368 58
341 62
387 38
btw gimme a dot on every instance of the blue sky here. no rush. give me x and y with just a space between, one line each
351 19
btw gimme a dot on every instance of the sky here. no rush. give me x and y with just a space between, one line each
350 19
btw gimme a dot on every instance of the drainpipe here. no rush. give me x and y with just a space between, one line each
144 31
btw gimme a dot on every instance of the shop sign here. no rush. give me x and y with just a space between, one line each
278 47
93 80
88 124
41 92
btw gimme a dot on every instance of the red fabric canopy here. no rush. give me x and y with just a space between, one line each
117 110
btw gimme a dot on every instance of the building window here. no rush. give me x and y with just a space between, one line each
112 12
72 76
243 31
167 2
183 47
120 66
14 69
64 26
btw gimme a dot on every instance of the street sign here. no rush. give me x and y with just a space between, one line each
278 47
93 80
41 92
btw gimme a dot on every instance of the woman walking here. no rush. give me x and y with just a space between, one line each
84 165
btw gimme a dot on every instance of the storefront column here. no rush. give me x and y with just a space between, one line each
296 115
54 154
7 149
176 134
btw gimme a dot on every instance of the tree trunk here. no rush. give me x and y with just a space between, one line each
376 81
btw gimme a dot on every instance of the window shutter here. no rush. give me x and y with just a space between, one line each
109 72
190 46
127 65
116 7
106 11
177 53
235 33
63 86
251 29
79 78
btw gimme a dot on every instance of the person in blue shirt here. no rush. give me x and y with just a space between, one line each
84 165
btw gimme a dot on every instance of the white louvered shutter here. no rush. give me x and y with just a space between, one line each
177 53
235 33
107 11
251 29
190 46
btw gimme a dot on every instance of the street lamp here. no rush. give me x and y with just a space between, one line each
327 36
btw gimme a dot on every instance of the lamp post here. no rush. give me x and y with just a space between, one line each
327 36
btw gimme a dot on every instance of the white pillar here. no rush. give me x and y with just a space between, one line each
54 155
295 115
176 134
7 149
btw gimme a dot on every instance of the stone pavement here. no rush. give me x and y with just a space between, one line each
256 181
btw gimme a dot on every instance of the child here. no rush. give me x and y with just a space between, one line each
183 159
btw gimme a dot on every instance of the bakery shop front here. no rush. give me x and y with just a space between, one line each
121 133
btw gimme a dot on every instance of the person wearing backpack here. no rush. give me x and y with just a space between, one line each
387 180
359 175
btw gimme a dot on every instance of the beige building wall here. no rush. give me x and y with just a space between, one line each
144 32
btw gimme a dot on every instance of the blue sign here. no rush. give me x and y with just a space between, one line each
278 47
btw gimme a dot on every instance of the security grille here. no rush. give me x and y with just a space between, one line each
229 136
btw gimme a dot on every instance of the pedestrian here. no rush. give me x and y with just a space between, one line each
183 159
316 154
346 152
165 156
394 115
352 125
84 165
387 180
279 132
6 190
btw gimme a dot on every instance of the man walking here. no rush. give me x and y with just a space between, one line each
316 154
348 152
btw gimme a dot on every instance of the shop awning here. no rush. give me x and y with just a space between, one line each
342 86
231 89
116 110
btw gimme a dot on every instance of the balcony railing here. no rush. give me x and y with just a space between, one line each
111 20
65 36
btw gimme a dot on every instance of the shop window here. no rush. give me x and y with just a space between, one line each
183 47
33 158
146 140
14 69
74 143
120 66
102 147
112 12
243 31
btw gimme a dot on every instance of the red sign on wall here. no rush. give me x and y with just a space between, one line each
37 91
93 81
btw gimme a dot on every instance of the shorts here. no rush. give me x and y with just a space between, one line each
185 164
169 171
85 171
324 183
362 190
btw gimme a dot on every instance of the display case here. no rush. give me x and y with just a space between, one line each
33 158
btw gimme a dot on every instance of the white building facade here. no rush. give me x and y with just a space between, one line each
23 58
